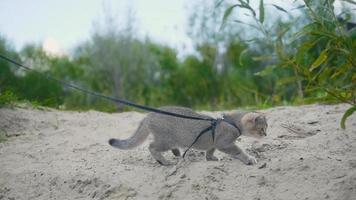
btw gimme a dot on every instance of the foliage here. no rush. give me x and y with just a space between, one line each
3 136
7 98
347 114
323 60
260 62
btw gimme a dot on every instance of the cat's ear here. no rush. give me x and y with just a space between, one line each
260 116
258 119
252 118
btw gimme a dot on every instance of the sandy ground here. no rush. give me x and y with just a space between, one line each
53 154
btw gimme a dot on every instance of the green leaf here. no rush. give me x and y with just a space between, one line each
279 8
324 33
241 22
262 12
340 70
305 31
227 14
323 76
352 33
219 3
285 30
247 6
347 114
299 7
322 57
350 1
242 56
287 80
304 48
266 71
250 40
262 58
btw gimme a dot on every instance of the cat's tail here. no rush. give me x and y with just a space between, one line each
135 140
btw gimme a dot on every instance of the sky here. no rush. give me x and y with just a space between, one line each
61 25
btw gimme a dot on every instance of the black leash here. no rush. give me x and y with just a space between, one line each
116 100
212 127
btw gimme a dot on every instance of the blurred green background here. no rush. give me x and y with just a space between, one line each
305 54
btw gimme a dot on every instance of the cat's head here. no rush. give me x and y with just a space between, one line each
255 125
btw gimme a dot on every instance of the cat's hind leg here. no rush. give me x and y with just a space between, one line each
156 152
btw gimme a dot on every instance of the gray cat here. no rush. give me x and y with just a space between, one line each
172 133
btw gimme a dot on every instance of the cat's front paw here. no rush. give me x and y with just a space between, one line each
246 159
251 160
212 158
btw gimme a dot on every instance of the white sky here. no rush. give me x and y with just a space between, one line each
65 23
60 25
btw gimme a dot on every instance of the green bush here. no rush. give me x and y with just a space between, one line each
322 62
7 98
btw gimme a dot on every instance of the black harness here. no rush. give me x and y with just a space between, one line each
212 127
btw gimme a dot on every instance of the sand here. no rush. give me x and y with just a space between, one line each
51 154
